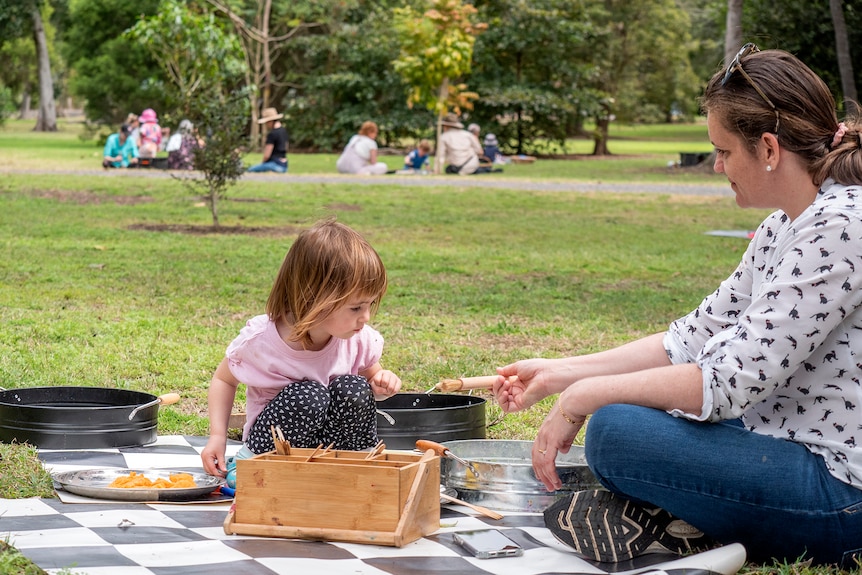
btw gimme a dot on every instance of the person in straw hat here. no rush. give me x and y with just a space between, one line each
458 148
275 148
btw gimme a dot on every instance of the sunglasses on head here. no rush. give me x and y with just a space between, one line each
736 66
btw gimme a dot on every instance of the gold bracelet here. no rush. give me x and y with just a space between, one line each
563 413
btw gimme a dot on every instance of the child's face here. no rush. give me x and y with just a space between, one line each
349 319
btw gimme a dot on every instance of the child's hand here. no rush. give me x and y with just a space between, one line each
213 458
384 384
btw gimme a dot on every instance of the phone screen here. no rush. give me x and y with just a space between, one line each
488 544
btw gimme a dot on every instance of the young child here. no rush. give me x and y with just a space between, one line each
417 159
311 364
150 134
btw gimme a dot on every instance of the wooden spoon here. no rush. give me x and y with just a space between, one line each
478 508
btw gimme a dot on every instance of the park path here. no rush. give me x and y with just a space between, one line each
482 181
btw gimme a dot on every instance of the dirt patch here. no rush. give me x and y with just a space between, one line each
269 232
344 207
86 198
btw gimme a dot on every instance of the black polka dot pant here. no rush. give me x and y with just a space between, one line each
311 414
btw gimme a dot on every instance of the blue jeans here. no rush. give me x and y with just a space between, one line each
772 495
270 166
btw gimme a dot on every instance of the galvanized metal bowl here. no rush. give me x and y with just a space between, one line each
505 480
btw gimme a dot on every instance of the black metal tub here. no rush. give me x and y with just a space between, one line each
78 417
438 417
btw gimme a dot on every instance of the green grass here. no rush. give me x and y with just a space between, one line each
640 153
91 295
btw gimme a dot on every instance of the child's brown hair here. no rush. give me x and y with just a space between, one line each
327 264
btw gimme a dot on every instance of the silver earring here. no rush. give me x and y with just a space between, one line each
768 168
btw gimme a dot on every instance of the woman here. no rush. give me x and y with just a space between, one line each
181 147
120 150
275 147
739 423
360 154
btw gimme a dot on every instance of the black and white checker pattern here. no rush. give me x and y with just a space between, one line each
120 538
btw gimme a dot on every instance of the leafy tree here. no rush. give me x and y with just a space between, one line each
20 17
221 122
202 62
805 28
18 73
6 104
113 74
194 51
437 49
264 31
530 67
338 79
642 69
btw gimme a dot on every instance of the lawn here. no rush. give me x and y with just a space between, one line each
105 283
640 153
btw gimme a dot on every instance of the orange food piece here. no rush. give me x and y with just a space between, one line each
135 479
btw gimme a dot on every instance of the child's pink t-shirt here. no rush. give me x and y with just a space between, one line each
259 358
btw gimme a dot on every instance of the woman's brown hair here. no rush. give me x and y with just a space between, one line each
327 264
367 128
806 118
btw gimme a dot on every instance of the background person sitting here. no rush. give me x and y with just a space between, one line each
134 128
458 148
275 147
418 158
181 147
151 133
492 150
360 154
120 150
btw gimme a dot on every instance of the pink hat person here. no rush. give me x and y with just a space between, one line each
148 115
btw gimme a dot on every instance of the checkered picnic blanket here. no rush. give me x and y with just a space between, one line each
121 538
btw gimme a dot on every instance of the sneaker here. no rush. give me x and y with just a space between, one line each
606 528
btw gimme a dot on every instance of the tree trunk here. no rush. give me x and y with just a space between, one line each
441 109
214 208
25 103
842 49
600 136
602 132
733 31
267 63
47 121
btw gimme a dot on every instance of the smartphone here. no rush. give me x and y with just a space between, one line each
488 544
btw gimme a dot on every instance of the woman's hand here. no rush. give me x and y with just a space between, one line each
556 435
384 384
521 384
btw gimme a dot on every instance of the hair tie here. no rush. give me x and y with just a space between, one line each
839 134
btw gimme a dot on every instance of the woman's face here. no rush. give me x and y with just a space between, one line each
744 170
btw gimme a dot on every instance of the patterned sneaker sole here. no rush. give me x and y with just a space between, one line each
606 528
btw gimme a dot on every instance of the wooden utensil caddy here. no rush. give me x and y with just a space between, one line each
392 500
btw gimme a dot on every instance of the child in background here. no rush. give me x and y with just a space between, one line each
311 364
418 158
492 150
150 134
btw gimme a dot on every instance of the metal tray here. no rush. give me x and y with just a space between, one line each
94 483
506 480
